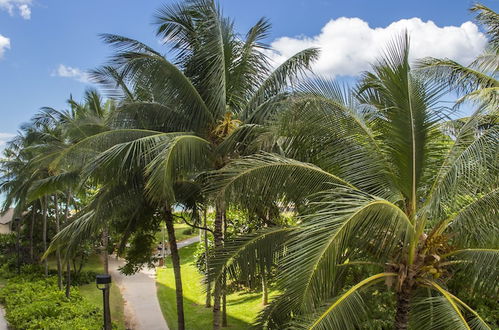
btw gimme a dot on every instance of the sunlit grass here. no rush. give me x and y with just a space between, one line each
242 308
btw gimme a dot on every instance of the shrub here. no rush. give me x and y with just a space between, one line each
188 231
32 302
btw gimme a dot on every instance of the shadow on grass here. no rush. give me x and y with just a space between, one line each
196 316
243 299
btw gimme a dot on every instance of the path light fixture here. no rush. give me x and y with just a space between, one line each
103 282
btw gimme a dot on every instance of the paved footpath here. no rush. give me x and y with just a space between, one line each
3 323
139 291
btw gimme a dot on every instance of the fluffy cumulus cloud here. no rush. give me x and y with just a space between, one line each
349 45
70 72
22 7
4 44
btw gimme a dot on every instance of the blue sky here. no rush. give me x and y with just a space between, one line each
46 45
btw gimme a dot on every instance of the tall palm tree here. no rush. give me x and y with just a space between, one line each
176 115
477 82
382 191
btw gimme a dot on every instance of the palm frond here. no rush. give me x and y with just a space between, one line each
346 311
278 80
176 158
247 254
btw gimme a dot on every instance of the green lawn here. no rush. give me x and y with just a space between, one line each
179 233
94 295
241 307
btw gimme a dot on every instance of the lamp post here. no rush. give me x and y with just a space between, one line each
17 222
102 282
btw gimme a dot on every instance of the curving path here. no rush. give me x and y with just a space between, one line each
3 322
142 308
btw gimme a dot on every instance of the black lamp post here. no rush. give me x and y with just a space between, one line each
17 222
103 282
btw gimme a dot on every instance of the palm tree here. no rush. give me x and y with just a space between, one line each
382 192
477 82
175 116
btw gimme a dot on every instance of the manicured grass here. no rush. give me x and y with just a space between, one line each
179 233
242 307
94 295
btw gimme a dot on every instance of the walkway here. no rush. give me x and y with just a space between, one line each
3 323
142 308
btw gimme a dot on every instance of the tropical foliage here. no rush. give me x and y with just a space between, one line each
336 199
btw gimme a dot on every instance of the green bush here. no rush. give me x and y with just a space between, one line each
37 303
188 231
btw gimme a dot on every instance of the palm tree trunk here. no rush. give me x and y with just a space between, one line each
105 260
403 307
176 267
224 279
218 241
265 288
31 233
68 279
44 234
58 251
206 252
68 265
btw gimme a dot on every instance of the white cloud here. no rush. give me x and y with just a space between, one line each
23 6
70 72
349 45
4 44
25 11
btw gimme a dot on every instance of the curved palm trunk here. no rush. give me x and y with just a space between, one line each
58 251
44 234
218 242
403 306
176 267
206 250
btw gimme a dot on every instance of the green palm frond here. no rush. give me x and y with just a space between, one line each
482 267
407 113
457 77
52 184
176 158
167 83
475 223
346 311
127 157
490 19
340 225
434 312
453 317
86 149
470 165
278 80
270 177
461 321
247 254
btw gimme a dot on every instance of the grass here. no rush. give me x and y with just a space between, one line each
94 295
180 228
242 307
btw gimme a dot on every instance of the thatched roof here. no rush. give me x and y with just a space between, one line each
7 217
